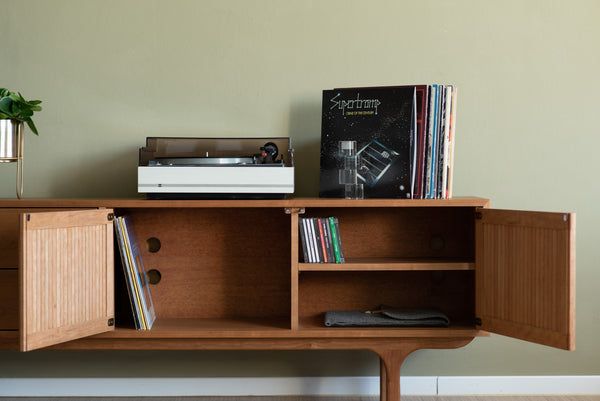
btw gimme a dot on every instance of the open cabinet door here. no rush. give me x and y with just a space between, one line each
525 275
66 278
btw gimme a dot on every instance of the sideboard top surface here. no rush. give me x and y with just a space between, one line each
239 203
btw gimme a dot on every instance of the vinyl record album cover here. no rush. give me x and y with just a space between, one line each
382 123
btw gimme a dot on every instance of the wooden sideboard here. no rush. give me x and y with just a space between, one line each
232 275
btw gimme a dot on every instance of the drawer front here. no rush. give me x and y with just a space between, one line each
9 299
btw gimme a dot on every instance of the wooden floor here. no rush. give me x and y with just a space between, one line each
322 398
505 398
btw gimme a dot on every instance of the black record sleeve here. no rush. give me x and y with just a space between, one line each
382 122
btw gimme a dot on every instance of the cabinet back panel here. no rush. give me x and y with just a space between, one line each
445 233
217 263
451 292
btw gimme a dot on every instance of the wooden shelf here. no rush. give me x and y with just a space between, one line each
388 264
279 328
206 328
315 325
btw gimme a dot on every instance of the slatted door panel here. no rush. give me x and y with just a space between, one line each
525 275
66 277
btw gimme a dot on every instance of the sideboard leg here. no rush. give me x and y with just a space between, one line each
392 356
382 380
391 361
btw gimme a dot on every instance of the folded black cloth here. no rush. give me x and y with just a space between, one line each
387 316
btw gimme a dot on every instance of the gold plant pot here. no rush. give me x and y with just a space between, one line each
11 148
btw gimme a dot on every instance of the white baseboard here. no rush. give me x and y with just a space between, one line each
277 386
521 385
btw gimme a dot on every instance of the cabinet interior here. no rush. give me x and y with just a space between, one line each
230 267
219 264
449 291
404 233
399 257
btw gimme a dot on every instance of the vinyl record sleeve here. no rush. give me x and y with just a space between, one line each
382 121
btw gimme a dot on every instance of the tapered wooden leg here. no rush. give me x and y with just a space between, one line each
382 380
391 361
391 356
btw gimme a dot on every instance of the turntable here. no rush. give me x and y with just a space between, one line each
216 168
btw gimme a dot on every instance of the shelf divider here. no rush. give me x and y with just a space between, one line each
389 264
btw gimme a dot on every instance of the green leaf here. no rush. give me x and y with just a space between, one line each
32 126
15 108
20 98
27 113
14 96
5 105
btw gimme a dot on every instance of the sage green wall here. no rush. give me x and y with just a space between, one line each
112 72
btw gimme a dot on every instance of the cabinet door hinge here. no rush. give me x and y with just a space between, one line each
478 216
111 216
478 321
111 322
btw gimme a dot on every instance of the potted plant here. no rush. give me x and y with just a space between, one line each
14 107
15 111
